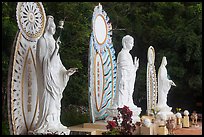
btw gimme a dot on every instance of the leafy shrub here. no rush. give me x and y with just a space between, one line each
122 124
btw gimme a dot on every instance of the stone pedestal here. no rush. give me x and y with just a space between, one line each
147 130
163 108
137 131
149 117
162 130
97 125
178 123
195 126
156 126
51 132
167 113
136 112
179 126
96 128
186 121
112 112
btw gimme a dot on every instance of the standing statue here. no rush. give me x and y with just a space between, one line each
164 85
126 74
52 78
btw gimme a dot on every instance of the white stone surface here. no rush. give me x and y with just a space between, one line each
186 113
163 117
101 66
164 85
31 19
168 114
147 130
52 78
147 122
22 81
178 115
126 74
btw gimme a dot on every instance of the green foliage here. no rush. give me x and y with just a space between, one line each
114 131
9 29
174 29
5 122
73 116
155 112
5 127
74 47
75 92
178 109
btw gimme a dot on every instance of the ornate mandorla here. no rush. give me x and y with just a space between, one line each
31 19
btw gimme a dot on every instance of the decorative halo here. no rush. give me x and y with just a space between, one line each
102 66
102 29
31 19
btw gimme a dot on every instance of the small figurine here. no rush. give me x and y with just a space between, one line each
194 118
170 125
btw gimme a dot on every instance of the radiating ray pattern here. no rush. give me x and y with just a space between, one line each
108 61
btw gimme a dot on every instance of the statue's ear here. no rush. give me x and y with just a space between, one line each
124 44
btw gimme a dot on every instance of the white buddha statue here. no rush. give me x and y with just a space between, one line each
52 78
126 74
164 85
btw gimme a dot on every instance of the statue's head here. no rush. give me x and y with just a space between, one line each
151 55
164 61
128 42
50 25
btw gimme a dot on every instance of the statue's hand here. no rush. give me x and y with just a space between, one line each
58 42
71 71
136 63
172 83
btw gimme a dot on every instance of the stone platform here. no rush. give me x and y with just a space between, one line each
96 128
189 131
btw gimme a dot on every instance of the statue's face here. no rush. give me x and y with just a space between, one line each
52 28
130 44
164 61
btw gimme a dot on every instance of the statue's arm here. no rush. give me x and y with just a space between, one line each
172 83
55 51
124 77
136 63
163 73
71 71
122 60
41 49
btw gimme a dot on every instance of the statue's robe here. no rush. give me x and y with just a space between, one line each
51 81
126 74
164 86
